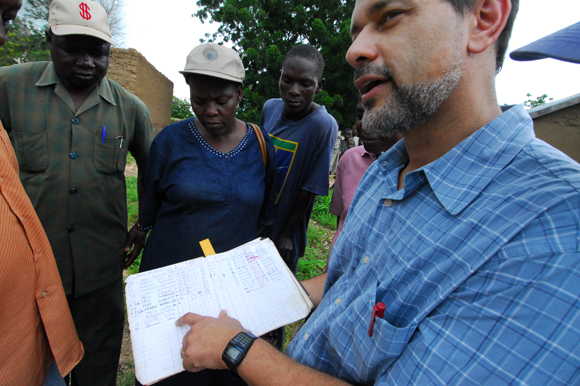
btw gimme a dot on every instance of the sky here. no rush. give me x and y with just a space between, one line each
165 32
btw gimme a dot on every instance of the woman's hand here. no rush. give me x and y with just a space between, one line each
136 240
284 246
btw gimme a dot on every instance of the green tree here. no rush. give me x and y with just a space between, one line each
25 43
541 100
181 108
262 31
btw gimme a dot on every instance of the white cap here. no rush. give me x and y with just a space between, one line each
79 17
214 60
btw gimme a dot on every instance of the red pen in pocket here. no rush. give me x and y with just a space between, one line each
379 312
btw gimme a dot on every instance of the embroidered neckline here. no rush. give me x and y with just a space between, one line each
218 153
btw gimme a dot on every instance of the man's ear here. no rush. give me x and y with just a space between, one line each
320 85
488 19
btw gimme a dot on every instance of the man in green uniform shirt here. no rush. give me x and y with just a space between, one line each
71 129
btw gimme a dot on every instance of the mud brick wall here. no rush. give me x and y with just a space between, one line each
561 129
134 73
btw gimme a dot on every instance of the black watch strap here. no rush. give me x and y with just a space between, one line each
236 350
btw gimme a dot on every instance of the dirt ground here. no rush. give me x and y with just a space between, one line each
131 169
126 360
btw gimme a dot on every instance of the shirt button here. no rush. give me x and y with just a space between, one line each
337 302
388 203
75 121
366 260
306 336
71 229
384 163
73 155
43 293
73 191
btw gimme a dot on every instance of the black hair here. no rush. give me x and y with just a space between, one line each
309 52
461 6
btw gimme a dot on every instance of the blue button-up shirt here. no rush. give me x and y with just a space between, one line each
476 259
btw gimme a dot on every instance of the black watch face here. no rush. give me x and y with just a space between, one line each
233 352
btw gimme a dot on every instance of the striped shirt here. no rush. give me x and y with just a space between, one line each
476 259
35 322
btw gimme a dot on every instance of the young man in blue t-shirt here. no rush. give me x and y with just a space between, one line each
304 134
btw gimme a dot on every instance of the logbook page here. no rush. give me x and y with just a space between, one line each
251 282
155 300
254 285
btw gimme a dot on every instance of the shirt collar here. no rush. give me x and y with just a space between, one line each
50 77
365 153
460 175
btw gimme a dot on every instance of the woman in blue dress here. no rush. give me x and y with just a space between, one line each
206 178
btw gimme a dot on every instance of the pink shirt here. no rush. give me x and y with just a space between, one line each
351 167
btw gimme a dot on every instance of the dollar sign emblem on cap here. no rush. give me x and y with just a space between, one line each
84 11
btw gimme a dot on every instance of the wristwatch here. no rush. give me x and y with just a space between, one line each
237 349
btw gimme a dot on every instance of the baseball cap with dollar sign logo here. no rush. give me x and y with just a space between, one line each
79 17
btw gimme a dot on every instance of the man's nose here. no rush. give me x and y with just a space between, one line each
294 88
362 50
86 60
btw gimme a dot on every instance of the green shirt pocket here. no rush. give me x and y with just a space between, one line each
110 155
31 150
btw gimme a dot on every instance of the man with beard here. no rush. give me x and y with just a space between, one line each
459 260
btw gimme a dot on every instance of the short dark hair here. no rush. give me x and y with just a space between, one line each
461 6
309 52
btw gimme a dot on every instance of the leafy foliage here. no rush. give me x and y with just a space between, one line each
262 31
181 108
25 43
541 100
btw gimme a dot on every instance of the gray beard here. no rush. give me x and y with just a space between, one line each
409 105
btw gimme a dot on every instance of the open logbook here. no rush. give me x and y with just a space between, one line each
251 282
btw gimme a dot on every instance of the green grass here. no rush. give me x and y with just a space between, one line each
133 214
132 200
321 214
314 260
127 377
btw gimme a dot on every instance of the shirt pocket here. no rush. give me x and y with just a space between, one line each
363 355
110 154
31 150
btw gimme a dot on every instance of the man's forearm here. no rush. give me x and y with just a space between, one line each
315 288
266 366
140 187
